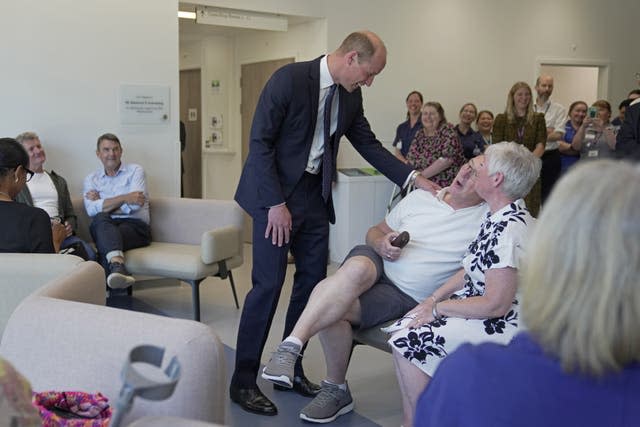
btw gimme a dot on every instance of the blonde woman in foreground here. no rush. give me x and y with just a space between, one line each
578 362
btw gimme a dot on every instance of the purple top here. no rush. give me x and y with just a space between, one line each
567 160
518 385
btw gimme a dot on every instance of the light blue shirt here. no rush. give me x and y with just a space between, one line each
130 177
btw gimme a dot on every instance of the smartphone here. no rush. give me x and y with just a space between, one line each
401 240
592 112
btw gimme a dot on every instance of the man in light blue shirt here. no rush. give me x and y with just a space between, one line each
116 197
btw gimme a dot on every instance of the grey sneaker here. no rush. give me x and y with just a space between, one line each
119 277
328 405
279 370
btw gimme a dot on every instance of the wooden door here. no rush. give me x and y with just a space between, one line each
190 115
253 78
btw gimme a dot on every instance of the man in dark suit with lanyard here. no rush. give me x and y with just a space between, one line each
303 111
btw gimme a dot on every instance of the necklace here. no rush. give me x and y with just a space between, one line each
5 194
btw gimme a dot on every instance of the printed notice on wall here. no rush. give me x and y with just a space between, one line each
144 105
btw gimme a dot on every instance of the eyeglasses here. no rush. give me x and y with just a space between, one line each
29 174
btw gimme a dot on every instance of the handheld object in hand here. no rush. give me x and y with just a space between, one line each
592 112
401 240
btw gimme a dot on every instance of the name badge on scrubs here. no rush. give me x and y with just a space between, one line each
592 153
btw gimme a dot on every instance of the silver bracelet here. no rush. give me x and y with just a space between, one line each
434 312
412 178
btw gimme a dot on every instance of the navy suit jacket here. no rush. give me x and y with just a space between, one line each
628 140
282 133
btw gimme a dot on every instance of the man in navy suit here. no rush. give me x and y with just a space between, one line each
628 138
286 188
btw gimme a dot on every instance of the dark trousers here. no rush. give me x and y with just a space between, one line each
118 234
309 244
551 166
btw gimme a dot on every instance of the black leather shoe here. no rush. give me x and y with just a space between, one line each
252 400
301 385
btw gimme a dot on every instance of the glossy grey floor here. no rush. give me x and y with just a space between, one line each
371 375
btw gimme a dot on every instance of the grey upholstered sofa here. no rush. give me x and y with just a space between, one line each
192 239
62 337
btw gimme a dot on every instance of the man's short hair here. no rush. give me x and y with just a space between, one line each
109 137
362 43
27 136
541 76
635 92
624 103
519 167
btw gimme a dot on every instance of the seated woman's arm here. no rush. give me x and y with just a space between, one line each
424 311
449 147
436 167
500 290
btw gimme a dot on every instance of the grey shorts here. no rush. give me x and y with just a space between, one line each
383 301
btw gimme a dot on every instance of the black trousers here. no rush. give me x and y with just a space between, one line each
551 165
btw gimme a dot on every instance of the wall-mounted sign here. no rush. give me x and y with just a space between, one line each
144 105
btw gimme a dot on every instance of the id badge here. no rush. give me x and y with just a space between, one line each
592 153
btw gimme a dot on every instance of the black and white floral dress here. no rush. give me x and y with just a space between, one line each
498 245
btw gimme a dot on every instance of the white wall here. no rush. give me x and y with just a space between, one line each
62 66
222 58
462 50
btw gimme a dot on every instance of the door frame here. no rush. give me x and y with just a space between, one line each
602 65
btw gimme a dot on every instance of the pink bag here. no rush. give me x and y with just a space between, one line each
72 409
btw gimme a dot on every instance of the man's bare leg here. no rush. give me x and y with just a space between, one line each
333 297
336 343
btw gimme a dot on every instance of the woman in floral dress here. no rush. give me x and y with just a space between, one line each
478 303
436 150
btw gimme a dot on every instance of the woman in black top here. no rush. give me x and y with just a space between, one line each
22 228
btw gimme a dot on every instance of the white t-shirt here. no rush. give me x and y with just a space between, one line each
44 193
555 115
440 236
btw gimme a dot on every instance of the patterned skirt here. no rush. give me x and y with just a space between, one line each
427 345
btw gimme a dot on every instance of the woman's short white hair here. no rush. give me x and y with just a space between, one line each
580 292
519 167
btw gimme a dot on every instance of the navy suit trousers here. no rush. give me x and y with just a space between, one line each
309 244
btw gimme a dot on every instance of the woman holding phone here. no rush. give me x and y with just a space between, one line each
596 138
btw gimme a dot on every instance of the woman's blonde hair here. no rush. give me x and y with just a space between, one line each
580 291
510 109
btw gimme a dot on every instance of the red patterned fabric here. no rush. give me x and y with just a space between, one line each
72 409
427 149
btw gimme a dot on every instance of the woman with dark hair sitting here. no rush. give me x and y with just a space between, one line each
22 228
